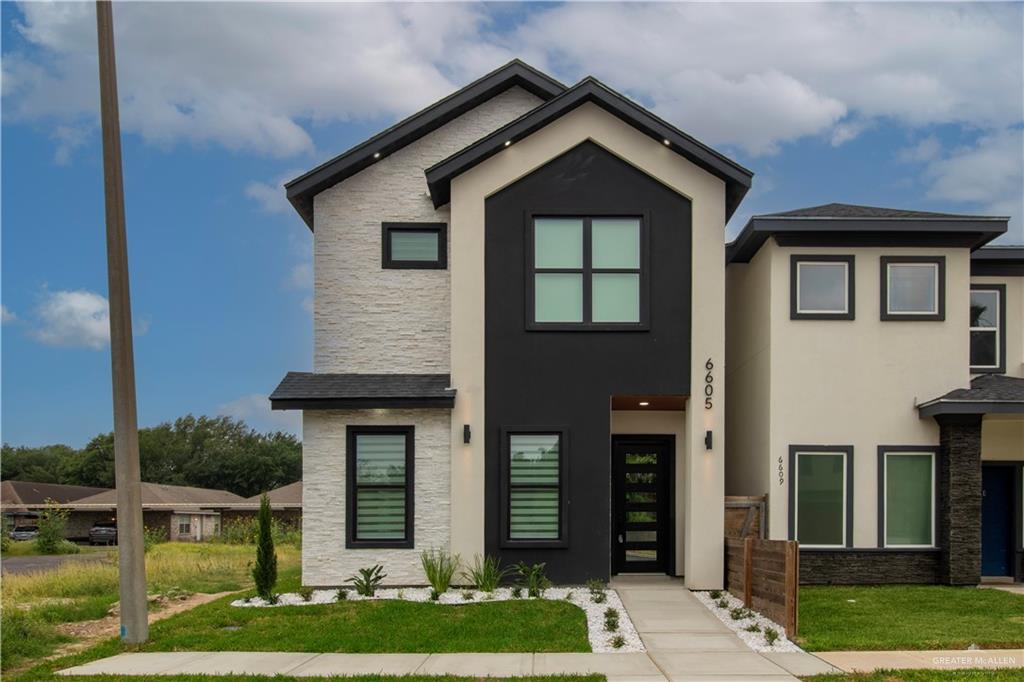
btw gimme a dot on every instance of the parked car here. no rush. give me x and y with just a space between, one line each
103 533
25 533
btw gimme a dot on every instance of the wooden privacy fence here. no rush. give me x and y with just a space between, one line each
744 516
765 574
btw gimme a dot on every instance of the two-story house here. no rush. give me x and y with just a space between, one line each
520 341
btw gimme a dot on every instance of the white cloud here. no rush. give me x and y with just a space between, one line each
301 276
6 315
255 410
73 319
256 76
67 139
925 150
271 195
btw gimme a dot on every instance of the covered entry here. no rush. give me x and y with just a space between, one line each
642 504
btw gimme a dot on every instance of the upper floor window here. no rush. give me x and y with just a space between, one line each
913 287
821 287
379 486
587 273
414 246
988 331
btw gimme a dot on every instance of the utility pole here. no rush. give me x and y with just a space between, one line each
131 559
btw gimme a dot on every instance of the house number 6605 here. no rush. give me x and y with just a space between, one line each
709 389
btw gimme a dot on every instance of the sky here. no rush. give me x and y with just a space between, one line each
916 106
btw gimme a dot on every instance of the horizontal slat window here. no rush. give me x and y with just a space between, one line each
534 485
380 486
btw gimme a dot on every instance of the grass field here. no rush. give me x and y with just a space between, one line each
28 548
1006 675
34 603
909 617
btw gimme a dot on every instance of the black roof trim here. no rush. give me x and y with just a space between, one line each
988 394
998 261
321 391
301 190
872 227
737 178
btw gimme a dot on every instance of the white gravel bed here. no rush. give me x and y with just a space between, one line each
754 640
600 639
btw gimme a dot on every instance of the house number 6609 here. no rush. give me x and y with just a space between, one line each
709 389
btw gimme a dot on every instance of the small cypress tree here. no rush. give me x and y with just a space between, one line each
264 573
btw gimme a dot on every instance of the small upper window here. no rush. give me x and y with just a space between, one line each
415 245
988 305
586 272
913 288
821 287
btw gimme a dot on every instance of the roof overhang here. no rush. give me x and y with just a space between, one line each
301 190
737 178
321 391
988 394
998 261
967 232
935 408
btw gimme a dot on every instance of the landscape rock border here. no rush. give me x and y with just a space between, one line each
600 639
755 640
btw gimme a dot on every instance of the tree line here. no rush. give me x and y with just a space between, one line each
205 452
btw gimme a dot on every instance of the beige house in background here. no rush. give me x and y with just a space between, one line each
532 341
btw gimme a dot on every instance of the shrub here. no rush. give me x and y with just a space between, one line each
440 567
753 627
368 580
739 613
618 641
533 578
722 603
434 594
597 591
569 595
517 592
244 530
770 635
467 595
611 619
598 597
342 594
151 537
52 521
486 573
306 593
264 573
5 538
715 594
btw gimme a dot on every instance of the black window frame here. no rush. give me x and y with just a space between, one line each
587 271
794 291
794 451
1000 331
439 229
505 471
939 315
351 541
883 451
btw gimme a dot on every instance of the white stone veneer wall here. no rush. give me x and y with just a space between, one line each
325 561
371 320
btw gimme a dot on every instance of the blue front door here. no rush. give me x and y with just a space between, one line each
996 520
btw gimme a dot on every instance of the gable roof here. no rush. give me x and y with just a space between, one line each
989 393
855 225
301 190
286 496
322 391
161 496
18 493
736 177
998 260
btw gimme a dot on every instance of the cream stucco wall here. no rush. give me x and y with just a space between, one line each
1014 321
857 382
705 474
1002 437
371 320
662 423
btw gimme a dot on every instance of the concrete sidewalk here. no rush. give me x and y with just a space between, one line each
867 661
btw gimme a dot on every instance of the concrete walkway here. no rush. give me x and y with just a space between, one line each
684 641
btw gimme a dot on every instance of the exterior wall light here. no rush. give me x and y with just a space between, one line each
376 155
465 433
508 142
666 143
707 440
644 403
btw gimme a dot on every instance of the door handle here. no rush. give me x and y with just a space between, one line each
620 538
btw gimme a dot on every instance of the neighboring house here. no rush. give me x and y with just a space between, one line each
19 500
873 375
185 513
520 341
285 506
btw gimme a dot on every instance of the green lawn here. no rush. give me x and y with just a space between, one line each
1005 675
909 617
28 548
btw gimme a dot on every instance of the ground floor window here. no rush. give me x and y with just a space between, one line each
379 499
820 494
184 525
907 497
534 487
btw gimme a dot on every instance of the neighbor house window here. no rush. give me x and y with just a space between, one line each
184 526
820 495
587 273
821 287
907 497
913 288
415 245
988 331
379 500
534 487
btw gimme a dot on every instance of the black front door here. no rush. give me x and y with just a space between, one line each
996 520
642 537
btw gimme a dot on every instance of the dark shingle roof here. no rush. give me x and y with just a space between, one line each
998 260
16 493
311 391
989 393
836 210
286 496
159 495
